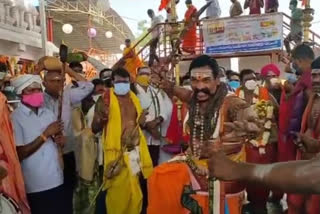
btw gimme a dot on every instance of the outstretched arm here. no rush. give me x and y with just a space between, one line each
294 177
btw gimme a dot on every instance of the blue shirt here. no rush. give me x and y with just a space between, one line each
41 170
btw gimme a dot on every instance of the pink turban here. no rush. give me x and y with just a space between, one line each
270 68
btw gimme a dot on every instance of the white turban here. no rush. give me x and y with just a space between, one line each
23 81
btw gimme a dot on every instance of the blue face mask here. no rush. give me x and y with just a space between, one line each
121 88
292 78
234 84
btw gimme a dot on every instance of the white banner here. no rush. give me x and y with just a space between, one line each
243 34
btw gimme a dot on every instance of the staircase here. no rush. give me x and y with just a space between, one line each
164 46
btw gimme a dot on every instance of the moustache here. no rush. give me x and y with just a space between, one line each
204 90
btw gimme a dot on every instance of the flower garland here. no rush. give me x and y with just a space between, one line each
265 112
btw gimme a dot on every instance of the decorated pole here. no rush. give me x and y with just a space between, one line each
307 19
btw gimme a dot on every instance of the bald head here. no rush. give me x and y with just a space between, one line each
53 83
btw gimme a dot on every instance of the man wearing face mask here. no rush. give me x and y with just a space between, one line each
159 108
38 135
119 115
233 79
261 150
309 134
73 94
292 104
12 184
270 73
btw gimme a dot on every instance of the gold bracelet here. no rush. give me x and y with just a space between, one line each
44 138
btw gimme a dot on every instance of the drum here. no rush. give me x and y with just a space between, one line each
8 205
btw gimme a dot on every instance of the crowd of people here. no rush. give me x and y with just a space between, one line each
132 141
117 145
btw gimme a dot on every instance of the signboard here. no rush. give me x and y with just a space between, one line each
243 34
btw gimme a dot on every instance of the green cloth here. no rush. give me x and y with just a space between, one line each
85 193
296 21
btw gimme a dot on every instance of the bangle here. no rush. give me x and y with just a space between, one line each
44 138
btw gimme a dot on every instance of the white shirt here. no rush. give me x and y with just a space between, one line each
41 170
72 96
214 10
154 21
159 104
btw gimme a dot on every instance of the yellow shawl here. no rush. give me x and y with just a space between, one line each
124 194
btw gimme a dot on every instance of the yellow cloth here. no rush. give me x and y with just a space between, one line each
132 63
124 194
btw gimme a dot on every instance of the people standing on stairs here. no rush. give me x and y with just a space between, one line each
159 107
254 6
271 6
296 28
235 9
214 10
73 94
155 30
189 42
38 135
132 61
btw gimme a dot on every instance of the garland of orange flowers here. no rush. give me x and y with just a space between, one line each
265 112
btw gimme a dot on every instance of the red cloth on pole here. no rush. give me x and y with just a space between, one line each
163 4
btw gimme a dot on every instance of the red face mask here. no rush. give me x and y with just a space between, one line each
34 100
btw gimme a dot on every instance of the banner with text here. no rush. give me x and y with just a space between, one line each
243 34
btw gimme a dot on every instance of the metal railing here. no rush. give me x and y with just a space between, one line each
164 46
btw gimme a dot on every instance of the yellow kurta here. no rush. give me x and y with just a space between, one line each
124 195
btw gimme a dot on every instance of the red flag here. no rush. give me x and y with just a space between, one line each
163 4
304 2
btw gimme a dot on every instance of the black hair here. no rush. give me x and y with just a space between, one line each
75 64
234 74
188 2
245 72
303 51
3 67
96 82
121 72
127 40
150 11
104 70
205 60
316 63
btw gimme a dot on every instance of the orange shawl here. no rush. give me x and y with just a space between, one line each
13 184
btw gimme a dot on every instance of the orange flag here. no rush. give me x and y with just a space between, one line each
163 4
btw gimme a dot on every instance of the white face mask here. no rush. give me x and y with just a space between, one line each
251 85
2 75
223 79
96 97
274 81
9 88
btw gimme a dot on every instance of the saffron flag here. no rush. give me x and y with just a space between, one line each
163 4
